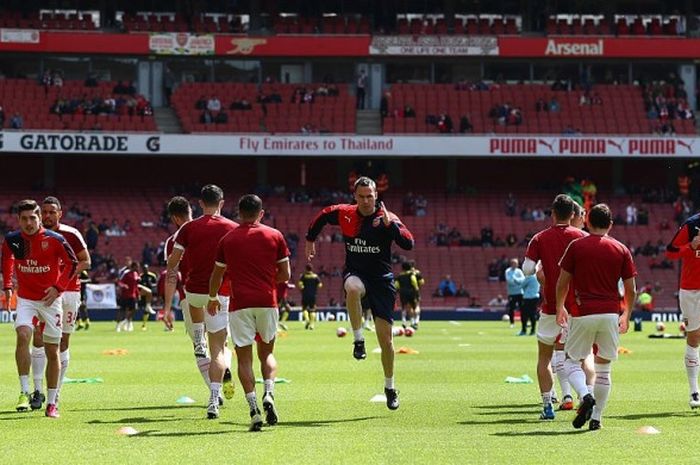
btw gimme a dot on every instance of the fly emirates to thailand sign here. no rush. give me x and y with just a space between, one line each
346 145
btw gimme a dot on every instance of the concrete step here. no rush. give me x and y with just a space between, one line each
166 120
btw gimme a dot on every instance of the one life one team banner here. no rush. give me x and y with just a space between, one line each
350 145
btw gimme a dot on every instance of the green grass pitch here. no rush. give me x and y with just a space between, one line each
455 406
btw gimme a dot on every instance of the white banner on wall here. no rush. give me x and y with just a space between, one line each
101 296
350 145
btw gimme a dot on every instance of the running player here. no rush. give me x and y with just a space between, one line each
309 284
282 303
51 214
421 283
129 293
592 266
407 284
368 230
256 258
547 247
684 247
148 282
44 264
196 238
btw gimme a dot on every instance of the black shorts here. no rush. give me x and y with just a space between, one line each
380 296
408 298
308 302
128 304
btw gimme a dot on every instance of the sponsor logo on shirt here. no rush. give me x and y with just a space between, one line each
33 267
360 246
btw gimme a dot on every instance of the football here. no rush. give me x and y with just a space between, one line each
409 332
397 331
331 317
341 332
660 326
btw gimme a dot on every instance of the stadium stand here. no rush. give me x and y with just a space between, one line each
271 108
621 110
35 102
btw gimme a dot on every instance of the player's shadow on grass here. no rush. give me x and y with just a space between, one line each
643 416
511 434
137 420
506 406
506 421
138 409
322 423
154 433
532 411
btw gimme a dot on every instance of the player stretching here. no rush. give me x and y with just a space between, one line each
547 247
197 239
592 266
255 257
309 284
368 231
45 267
71 299
684 247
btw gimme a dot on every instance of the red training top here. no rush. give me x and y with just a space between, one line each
597 263
251 253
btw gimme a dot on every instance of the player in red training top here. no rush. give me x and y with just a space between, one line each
368 231
198 239
547 247
51 214
255 258
593 266
180 212
44 265
282 302
685 247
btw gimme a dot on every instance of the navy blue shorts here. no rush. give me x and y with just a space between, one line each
380 296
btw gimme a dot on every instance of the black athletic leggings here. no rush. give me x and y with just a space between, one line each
515 302
529 313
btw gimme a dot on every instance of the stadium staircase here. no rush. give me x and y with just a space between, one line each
369 122
166 120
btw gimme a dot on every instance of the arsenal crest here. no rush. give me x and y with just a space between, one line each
376 222
44 245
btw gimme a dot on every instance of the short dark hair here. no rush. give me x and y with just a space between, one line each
562 207
365 181
578 209
600 216
406 266
212 195
308 267
51 200
178 206
249 206
27 205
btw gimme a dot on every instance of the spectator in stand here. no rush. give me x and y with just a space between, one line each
2 117
631 212
384 104
487 237
221 118
16 122
242 104
444 124
409 112
511 240
465 125
200 104
462 291
511 205
214 104
493 270
119 89
409 204
538 214
447 287
421 206
92 236
206 117
541 105
498 301
360 89
554 105
147 254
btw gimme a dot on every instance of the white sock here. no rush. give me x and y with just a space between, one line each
389 383
357 334
590 387
692 366
215 392
553 393
546 398
577 378
52 396
228 357
252 400
24 383
601 390
417 317
269 386
403 317
558 366
198 333
203 367
38 368
65 360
